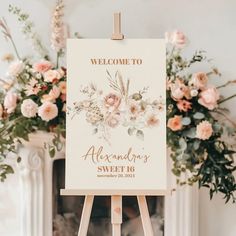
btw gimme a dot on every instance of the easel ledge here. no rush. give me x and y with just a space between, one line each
122 192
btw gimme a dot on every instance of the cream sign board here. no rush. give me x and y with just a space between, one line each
116 117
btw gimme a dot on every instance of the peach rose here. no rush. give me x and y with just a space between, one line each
48 111
176 38
42 66
179 90
51 75
184 105
175 123
54 92
112 100
10 102
204 130
199 80
62 87
208 98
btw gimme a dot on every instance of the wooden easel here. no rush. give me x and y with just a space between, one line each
116 195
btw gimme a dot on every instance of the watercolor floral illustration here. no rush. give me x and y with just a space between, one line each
135 112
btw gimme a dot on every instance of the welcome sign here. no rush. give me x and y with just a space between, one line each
116 117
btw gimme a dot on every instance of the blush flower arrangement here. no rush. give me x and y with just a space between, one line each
33 98
135 112
198 138
33 91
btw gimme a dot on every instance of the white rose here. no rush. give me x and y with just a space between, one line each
15 68
10 102
48 111
176 38
29 108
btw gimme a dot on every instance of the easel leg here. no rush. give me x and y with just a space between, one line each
84 223
116 215
146 221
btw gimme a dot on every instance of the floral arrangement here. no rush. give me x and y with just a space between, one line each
195 135
33 97
105 112
33 92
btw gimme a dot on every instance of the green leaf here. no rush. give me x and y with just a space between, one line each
131 131
140 134
198 116
182 144
196 144
191 133
186 121
52 151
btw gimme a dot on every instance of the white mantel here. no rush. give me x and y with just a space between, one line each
35 176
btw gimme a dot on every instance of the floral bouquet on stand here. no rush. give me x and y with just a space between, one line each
33 98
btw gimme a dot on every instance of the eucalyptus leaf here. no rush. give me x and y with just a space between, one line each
196 144
140 134
182 144
95 130
191 133
131 131
198 116
186 121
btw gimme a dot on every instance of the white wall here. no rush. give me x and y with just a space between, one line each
209 24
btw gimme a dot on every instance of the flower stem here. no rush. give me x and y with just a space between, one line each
14 46
226 99
58 56
226 84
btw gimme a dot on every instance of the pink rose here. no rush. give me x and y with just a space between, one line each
204 130
113 121
10 102
51 75
42 66
179 90
208 98
62 87
184 105
112 100
175 123
176 38
199 80
48 111
54 92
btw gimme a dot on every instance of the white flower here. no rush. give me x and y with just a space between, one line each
15 68
29 108
10 102
193 92
176 38
48 111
